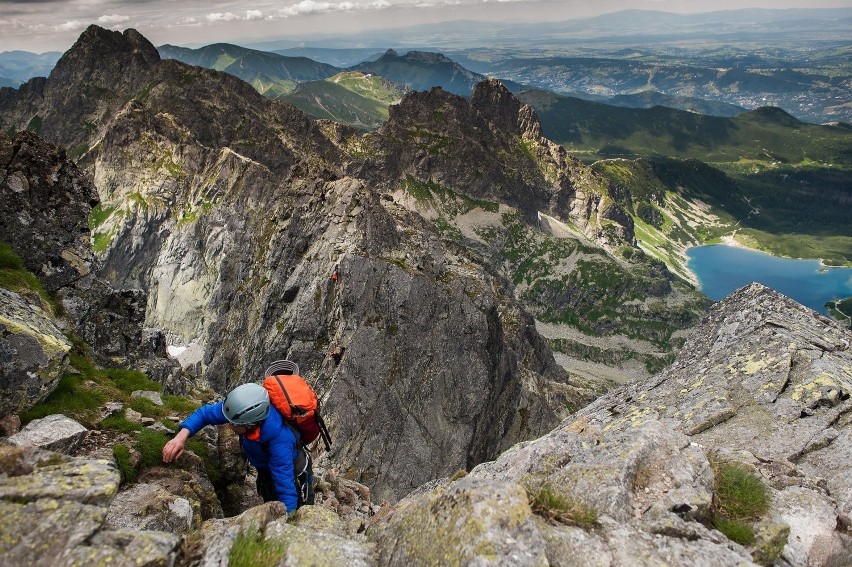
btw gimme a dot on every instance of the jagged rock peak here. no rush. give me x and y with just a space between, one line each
96 44
494 101
391 53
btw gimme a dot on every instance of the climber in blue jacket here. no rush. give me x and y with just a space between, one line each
269 444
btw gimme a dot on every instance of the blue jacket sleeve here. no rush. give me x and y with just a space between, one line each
211 414
282 453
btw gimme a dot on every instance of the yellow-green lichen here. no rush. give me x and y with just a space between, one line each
53 345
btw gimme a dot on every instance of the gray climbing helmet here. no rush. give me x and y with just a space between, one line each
246 404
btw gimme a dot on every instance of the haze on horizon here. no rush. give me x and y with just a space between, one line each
53 25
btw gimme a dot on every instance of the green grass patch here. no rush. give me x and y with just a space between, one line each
102 240
555 507
121 454
120 423
15 277
148 408
73 397
35 124
453 202
739 499
86 387
150 446
177 404
251 550
77 151
98 215
130 380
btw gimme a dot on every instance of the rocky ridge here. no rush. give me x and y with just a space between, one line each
632 479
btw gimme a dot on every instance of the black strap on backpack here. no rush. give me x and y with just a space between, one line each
326 436
295 410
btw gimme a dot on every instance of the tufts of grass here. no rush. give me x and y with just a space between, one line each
458 475
121 453
739 499
15 277
71 397
120 423
739 493
555 507
735 530
176 404
130 380
150 446
251 550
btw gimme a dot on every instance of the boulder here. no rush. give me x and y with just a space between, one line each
128 548
315 536
469 521
50 504
33 474
149 507
55 432
153 397
33 354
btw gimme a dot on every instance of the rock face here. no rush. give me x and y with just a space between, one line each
44 208
33 354
45 202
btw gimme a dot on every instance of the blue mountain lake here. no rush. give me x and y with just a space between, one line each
722 269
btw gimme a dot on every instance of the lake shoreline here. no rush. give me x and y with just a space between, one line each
724 267
731 240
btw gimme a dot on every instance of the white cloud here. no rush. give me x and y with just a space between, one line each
305 7
222 17
254 15
71 26
112 19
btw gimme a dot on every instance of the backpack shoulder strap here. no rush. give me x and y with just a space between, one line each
286 395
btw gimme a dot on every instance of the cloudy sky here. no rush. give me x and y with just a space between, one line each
54 25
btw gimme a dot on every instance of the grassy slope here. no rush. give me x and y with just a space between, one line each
568 282
351 98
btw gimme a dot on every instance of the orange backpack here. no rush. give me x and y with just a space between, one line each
296 401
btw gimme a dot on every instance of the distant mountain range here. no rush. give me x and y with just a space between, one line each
269 73
717 63
637 27
584 126
16 67
342 58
